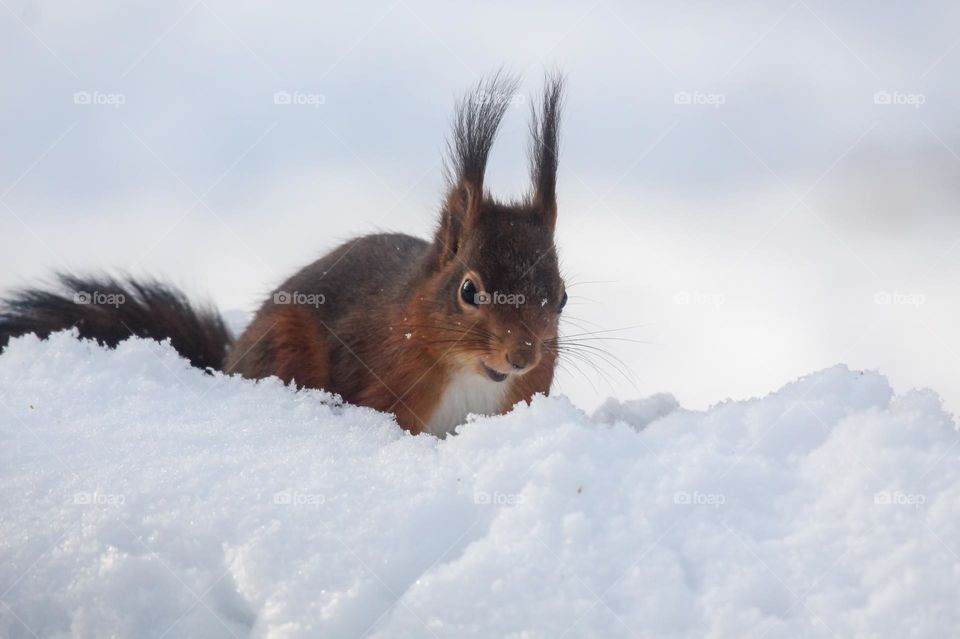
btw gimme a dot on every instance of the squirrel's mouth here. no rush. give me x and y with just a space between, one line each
496 376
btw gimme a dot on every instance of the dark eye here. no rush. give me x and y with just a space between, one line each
468 293
563 301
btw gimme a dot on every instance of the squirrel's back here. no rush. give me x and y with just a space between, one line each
331 313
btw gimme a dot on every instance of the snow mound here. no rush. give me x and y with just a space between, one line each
142 498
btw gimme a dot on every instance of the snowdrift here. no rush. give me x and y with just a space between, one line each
143 498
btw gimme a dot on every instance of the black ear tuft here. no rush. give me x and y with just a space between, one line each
545 145
475 125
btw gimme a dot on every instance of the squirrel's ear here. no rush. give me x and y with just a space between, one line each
475 123
545 147
459 214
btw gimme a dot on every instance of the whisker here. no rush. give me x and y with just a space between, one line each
567 317
566 364
583 359
578 283
609 330
575 322
611 360
564 340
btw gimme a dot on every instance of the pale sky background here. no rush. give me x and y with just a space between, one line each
745 239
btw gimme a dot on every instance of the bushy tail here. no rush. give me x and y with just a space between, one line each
110 310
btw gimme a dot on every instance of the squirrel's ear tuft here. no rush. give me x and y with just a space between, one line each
475 123
545 147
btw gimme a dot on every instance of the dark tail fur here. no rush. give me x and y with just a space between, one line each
110 310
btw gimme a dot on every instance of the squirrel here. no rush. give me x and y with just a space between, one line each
429 331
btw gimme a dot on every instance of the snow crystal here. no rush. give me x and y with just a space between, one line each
144 498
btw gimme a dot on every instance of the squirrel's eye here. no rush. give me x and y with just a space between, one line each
563 300
468 293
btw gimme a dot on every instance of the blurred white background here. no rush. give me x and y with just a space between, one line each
757 190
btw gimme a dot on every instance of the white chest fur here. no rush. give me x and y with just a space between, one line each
466 393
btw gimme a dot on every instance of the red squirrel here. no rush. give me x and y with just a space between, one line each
429 331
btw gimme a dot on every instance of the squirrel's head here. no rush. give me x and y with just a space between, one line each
496 288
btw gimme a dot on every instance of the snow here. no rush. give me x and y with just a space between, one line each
143 498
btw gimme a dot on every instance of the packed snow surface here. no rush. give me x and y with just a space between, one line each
142 498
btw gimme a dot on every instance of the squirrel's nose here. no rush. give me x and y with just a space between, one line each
521 358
